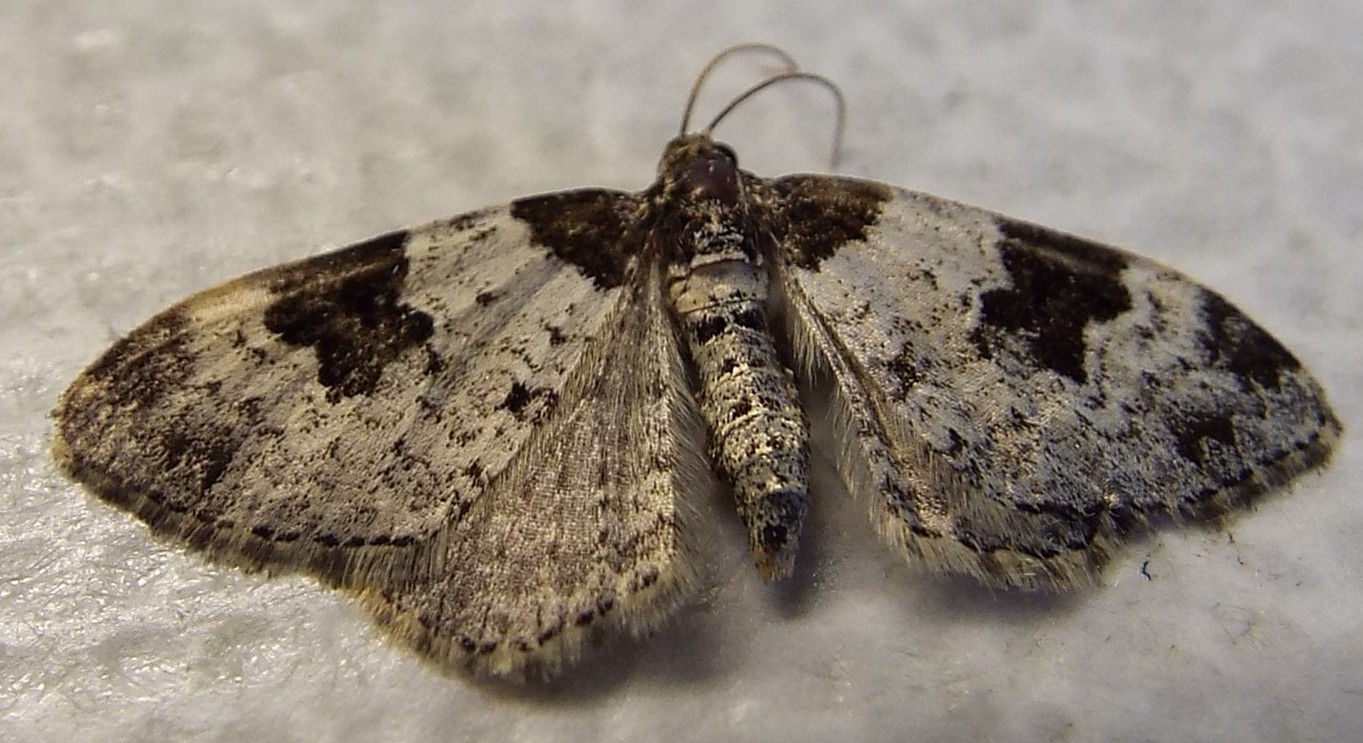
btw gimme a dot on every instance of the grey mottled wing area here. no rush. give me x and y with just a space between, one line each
354 415
1011 399
587 528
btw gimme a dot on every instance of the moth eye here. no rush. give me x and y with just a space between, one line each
728 152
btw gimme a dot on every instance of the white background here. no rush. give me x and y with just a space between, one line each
150 148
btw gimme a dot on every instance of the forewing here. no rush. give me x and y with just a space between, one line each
333 415
1012 399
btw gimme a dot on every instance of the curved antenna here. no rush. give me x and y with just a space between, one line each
788 75
787 62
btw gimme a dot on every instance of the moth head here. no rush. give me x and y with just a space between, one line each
694 166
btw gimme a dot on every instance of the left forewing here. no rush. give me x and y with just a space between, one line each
342 408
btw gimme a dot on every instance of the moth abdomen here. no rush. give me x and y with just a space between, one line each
749 402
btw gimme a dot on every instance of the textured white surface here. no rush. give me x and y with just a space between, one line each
149 148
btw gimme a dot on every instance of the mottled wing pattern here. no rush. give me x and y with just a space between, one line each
487 428
588 528
1011 399
434 366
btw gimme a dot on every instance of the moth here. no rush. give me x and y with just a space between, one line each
494 429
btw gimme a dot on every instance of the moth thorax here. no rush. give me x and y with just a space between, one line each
716 242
